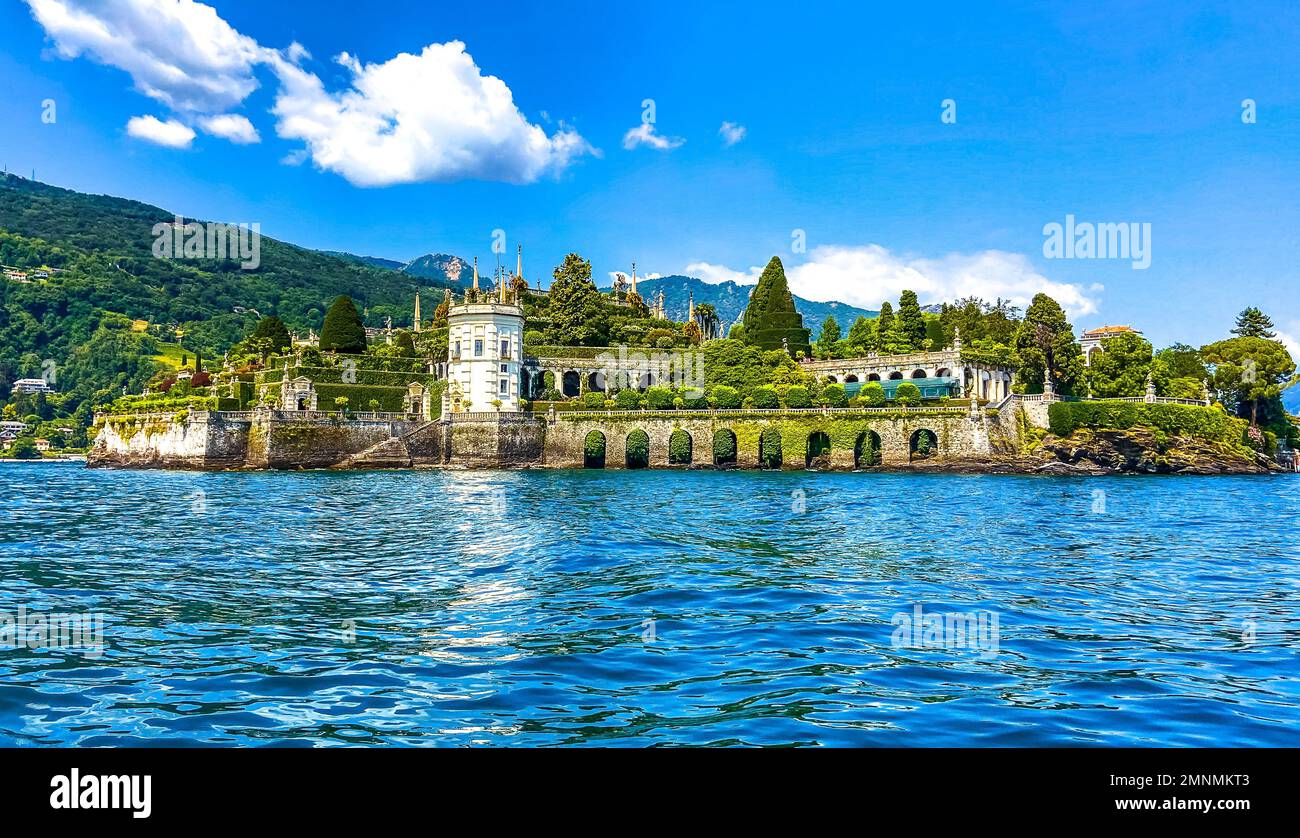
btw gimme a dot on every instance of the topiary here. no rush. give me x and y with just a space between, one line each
726 398
343 330
872 394
593 400
627 400
833 395
659 398
907 394
798 396
765 398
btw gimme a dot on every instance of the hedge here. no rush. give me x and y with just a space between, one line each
1209 423
638 449
679 448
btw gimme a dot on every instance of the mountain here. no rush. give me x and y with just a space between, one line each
99 253
372 261
442 268
730 299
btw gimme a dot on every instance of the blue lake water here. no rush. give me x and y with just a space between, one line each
644 608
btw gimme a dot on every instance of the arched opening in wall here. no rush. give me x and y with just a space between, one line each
923 445
302 402
548 380
918 373
724 447
850 379
595 382
830 379
943 372
638 449
895 376
818 454
875 376
593 450
866 450
769 448
680 447
571 384
645 381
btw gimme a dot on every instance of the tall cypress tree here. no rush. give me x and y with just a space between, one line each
910 319
771 315
343 330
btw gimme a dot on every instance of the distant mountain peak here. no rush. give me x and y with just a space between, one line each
440 266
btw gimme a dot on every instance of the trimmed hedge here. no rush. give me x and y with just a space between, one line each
679 448
1209 423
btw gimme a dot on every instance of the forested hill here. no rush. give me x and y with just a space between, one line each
105 246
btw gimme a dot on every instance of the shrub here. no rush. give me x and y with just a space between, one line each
593 447
725 397
679 448
659 398
1208 423
907 394
872 394
769 449
638 449
798 396
765 398
665 343
833 395
593 400
724 447
627 400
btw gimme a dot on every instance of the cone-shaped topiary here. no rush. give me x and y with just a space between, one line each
771 315
342 330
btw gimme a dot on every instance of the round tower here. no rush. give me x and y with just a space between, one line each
485 347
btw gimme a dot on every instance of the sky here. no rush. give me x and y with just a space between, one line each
873 148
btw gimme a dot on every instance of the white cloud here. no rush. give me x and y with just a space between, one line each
231 127
427 117
866 275
171 133
1288 339
732 133
178 52
645 134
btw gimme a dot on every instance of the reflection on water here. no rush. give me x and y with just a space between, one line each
637 608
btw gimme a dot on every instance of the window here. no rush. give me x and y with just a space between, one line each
505 349
478 349
505 368
505 386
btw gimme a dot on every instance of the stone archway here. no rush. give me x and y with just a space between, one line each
769 448
571 384
918 374
593 450
924 443
724 447
850 379
896 375
818 452
680 448
637 448
866 450
875 376
595 382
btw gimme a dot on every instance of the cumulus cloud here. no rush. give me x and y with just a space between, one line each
172 134
433 116
866 275
427 117
732 133
645 134
231 127
178 52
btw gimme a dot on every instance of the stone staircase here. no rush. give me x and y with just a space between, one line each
388 453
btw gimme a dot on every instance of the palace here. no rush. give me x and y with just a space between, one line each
485 347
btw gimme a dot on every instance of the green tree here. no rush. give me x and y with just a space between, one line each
798 396
405 345
833 395
725 397
574 302
1045 341
342 330
910 319
765 398
1249 372
885 320
907 394
771 319
830 336
1121 368
1253 323
273 329
24 448
872 394
862 337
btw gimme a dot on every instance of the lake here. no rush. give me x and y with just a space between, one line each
644 608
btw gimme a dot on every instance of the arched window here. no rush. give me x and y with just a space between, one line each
593 450
818 454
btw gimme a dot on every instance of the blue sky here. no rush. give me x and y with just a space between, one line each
367 140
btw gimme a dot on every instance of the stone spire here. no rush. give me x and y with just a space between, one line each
690 310
956 338
415 321
475 273
633 291
519 265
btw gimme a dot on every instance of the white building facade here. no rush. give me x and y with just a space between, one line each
486 344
